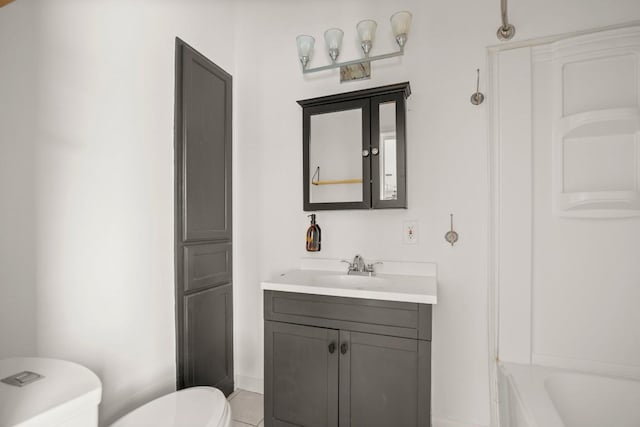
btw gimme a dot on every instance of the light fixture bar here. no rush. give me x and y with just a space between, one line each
355 61
358 68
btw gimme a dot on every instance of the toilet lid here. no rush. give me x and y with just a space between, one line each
194 407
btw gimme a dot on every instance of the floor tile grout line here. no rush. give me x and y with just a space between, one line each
250 395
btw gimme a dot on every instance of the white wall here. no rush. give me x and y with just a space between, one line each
446 173
17 273
447 167
104 174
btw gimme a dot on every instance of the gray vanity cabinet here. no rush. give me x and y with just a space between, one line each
347 362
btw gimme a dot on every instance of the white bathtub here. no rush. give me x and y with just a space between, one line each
536 396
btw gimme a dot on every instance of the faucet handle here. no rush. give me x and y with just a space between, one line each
371 268
352 266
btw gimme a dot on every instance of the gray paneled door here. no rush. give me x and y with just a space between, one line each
378 382
303 373
204 341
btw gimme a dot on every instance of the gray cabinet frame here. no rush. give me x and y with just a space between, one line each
380 366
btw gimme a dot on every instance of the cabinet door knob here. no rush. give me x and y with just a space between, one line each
343 348
365 153
332 347
374 151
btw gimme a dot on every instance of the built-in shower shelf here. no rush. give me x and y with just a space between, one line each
622 201
614 121
597 163
596 131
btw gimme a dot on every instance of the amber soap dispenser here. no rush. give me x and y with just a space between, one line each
313 235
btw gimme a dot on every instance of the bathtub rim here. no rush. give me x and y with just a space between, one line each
528 383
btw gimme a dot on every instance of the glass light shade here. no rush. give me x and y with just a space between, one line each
333 38
367 30
305 48
401 22
305 45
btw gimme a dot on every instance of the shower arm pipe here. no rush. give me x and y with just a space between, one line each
506 30
505 17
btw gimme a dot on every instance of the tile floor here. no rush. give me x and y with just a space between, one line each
247 409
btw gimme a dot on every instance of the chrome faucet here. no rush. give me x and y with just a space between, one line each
358 263
359 267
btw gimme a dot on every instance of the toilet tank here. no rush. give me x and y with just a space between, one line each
37 392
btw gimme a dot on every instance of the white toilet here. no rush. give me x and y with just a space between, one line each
37 392
192 407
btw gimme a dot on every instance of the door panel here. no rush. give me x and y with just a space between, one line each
203 247
302 374
207 265
207 150
382 381
206 333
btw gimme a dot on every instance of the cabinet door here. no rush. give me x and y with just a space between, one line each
336 161
388 151
384 381
301 376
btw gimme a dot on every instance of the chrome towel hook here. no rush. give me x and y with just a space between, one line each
477 98
451 236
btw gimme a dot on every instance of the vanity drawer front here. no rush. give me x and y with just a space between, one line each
402 319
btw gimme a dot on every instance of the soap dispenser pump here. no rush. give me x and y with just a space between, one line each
313 235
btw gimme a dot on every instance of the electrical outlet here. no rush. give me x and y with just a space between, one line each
410 232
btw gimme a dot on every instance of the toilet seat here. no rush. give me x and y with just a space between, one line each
190 407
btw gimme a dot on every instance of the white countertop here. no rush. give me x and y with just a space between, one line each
389 287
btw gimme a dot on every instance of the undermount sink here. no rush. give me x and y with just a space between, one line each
350 281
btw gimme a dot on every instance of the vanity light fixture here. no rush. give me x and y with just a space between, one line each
358 68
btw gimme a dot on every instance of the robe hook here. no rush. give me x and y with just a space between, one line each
451 236
477 98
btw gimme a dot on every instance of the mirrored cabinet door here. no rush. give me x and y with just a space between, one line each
336 159
388 151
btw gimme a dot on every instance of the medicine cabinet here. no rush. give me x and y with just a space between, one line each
354 149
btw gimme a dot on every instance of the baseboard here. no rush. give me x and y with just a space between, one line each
442 422
255 385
